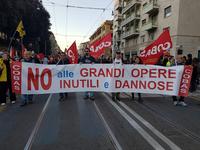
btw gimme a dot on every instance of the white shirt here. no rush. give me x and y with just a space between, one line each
117 61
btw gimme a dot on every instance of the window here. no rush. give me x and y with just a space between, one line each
144 22
135 41
111 27
143 38
151 36
180 52
168 11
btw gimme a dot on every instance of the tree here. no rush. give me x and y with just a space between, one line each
35 19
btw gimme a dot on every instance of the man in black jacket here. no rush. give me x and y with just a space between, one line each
63 61
88 59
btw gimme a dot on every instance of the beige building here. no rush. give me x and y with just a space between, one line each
144 20
82 47
103 30
118 41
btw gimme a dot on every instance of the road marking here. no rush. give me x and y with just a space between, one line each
135 125
110 133
194 98
150 127
37 125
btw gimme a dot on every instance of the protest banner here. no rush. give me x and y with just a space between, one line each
29 78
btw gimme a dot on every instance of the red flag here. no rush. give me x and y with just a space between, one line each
12 53
97 48
23 49
152 53
72 53
40 56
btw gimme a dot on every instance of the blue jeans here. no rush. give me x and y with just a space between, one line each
89 94
63 94
25 98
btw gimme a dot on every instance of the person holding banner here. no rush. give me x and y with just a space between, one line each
137 61
118 60
63 61
88 59
181 99
27 98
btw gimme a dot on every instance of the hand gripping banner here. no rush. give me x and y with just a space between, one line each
29 78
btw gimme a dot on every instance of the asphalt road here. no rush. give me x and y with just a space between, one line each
78 124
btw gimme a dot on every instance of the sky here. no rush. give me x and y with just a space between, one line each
70 24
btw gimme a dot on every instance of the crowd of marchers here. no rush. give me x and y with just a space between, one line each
7 96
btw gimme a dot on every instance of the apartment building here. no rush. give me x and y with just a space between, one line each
82 47
118 41
104 29
144 20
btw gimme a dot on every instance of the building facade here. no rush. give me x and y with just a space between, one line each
144 20
82 47
104 29
118 41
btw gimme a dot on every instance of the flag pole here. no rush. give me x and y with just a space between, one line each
45 47
11 40
22 47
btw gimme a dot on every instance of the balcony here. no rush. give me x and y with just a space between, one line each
118 29
118 17
129 19
151 25
118 6
118 39
130 33
151 8
130 5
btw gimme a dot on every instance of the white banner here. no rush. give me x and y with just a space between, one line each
29 78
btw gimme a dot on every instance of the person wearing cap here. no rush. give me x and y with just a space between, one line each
3 81
180 101
117 60
88 59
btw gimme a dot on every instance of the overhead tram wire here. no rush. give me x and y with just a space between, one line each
106 8
67 22
77 7
54 11
65 35
82 7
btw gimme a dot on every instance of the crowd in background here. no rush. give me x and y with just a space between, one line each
61 59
